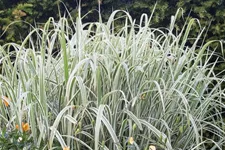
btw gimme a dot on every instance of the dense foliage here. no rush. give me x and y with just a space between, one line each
209 12
129 87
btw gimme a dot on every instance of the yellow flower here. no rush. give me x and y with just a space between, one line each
17 127
25 126
151 147
5 100
131 140
66 148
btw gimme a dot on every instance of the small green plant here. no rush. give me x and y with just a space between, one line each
15 140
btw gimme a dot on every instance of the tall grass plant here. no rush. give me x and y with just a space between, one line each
96 86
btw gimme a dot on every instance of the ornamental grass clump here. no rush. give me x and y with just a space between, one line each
96 86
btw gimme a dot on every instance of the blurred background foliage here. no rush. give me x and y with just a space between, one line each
211 14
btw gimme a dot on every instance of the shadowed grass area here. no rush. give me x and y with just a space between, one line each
91 86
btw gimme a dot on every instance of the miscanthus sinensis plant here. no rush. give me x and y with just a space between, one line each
94 86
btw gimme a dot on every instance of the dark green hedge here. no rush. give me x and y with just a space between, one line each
208 12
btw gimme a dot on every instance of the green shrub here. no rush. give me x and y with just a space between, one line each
12 140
